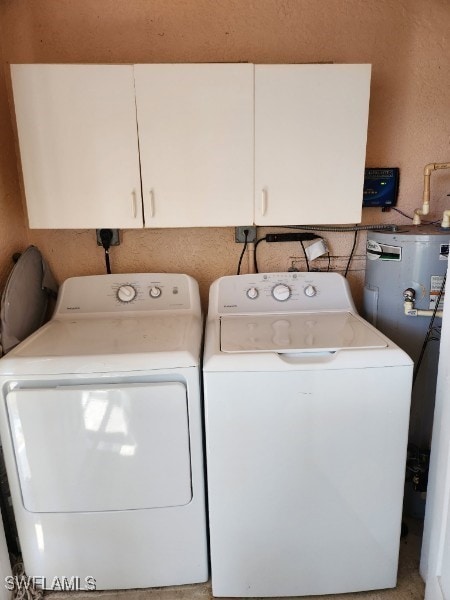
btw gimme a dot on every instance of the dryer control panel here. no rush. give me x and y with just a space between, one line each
280 293
122 293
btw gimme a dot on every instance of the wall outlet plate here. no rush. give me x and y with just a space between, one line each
115 237
239 235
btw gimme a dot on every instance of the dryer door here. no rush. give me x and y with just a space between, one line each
101 447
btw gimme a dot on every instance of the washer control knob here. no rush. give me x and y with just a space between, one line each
126 293
281 292
252 293
155 292
310 291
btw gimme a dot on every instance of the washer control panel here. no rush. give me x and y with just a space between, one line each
282 292
127 293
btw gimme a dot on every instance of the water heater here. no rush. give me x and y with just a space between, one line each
413 257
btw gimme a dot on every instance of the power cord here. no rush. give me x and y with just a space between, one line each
430 329
351 253
255 262
305 255
286 237
246 232
106 236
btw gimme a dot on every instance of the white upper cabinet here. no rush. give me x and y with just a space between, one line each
78 145
196 143
310 143
191 145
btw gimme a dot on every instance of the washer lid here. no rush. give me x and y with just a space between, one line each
291 333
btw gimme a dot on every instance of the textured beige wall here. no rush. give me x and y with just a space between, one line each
407 42
13 233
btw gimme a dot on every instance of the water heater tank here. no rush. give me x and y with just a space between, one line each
413 257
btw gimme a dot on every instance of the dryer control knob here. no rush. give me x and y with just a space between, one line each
310 291
155 292
281 292
252 293
126 293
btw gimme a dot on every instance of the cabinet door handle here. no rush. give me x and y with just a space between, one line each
263 201
152 203
134 204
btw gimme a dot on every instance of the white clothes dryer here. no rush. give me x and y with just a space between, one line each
306 417
101 425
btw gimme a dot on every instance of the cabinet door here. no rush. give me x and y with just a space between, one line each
78 145
196 143
310 143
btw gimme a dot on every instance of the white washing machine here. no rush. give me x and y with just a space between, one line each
307 409
101 428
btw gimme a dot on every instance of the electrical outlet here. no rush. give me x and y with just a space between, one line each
239 235
115 237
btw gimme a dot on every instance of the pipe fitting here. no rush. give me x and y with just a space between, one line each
411 311
425 210
445 224
417 214
409 294
408 308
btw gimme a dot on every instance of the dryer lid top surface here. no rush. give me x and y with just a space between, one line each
297 332
91 345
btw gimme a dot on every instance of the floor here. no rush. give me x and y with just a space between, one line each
410 585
